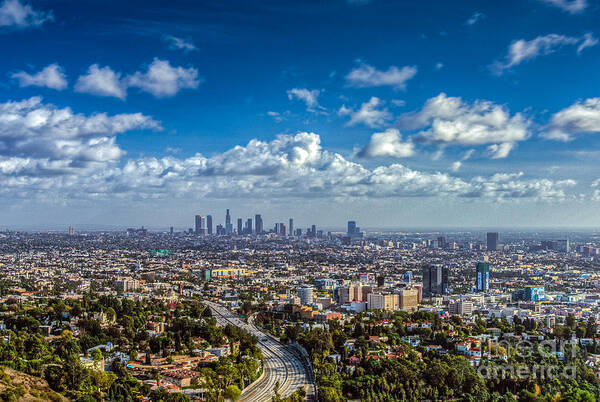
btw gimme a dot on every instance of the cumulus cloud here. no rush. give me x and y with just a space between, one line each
446 120
161 80
580 118
570 6
297 166
387 143
34 134
52 76
175 43
14 13
309 97
290 166
371 114
365 76
102 81
523 50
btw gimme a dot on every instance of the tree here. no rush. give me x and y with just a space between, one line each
232 392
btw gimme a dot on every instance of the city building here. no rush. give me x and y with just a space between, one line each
435 279
306 296
460 307
482 281
492 241
258 224
209 224
200 227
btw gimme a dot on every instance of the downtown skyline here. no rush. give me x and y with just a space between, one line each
395 114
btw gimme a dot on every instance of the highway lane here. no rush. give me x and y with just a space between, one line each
282 363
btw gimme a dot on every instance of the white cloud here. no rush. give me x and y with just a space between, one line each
570 6
163 80
38 135
13 13
67 156
370 114
588 41
160 80
451 121
500 151
579 118
523 50
466 156
387 143
439 66
309 97
52 76
475 18
455 167
365 76
175 43
102 82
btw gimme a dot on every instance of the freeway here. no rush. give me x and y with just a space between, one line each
283 364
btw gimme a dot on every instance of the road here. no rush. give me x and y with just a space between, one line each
282 363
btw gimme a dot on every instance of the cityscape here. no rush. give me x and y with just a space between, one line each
308 200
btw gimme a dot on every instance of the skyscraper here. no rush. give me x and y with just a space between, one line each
249 226
200 225
239 226
291 227
492 241
209 224
351 228
258 224
228 225
482 279
435 279
313 231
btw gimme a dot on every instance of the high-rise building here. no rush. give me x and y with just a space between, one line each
171 230
353 230
258 223
306 296
409 299
200 228
239 226
71 231
282 229
435 279
351 227
492 241
482 279
313 231
291 227
209 224
228 225
249 226
441 242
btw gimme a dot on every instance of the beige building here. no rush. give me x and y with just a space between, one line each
461 307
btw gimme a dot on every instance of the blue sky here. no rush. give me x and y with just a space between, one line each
380 111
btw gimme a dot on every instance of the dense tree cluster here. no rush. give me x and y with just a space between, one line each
100 319
414 373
